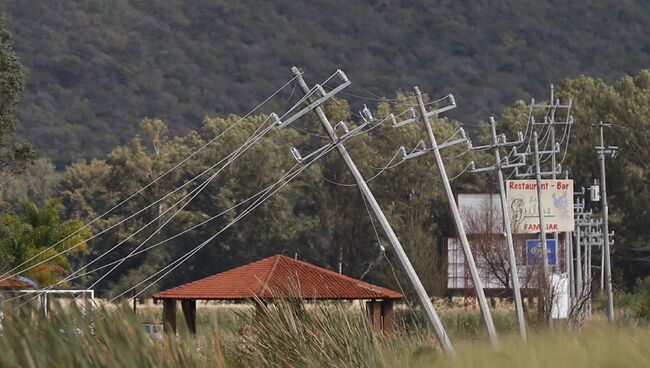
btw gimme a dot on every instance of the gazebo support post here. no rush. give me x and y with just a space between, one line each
169 316
189 312
381 315
387 315
374 315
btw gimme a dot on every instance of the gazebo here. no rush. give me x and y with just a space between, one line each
12 283
271 278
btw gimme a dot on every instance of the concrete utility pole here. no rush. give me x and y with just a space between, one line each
551 123
568 260
579 215
507 227
545 285
476 279
540 209
436 323
602 151
587 269
578 260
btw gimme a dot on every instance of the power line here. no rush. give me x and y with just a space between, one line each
74 246
257 135
182 259
4 275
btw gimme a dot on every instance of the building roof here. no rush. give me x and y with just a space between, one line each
278 276
14 284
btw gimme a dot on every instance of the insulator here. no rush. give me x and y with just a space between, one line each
452 99
343 125
342 75
296 154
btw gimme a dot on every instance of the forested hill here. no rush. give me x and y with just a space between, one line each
95 68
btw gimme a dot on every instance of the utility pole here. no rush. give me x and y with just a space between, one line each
602 151
540 209
507 227
436 323
579 216
587 270
568 257
551 124
544 285
476 279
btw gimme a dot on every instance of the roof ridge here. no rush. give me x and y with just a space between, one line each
246 265
333 273
264 285
259 278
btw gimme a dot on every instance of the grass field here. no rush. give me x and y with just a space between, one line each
308 336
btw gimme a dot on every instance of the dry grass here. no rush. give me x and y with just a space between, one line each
293 334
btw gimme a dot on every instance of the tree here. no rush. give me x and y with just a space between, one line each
31 232
38 183
13 158
626 104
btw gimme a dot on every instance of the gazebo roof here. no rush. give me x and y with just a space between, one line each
277 276
12 283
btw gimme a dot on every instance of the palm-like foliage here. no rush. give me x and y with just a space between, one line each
29 233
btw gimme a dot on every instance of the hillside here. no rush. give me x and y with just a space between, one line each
95 68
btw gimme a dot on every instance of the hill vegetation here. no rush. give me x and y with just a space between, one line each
95 68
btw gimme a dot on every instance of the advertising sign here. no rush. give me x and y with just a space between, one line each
557 202
534 252
480 213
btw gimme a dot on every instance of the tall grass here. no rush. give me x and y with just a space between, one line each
288 334
97 339
292 334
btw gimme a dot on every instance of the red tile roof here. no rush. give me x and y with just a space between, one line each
13 284
274 276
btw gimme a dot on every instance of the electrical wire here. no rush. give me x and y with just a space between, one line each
461 173
74 246
381 170
383 252
5 276
182 259
257 135
207 182
201 186
194 227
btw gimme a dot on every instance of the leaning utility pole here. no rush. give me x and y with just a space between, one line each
443 338
507 229
601 151
476 278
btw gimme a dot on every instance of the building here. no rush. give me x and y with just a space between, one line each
278 277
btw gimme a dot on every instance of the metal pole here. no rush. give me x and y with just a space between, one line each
606 250
476 279
512 258
441 334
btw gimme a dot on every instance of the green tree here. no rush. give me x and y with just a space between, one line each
39 182
13 157
33 230
626 104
